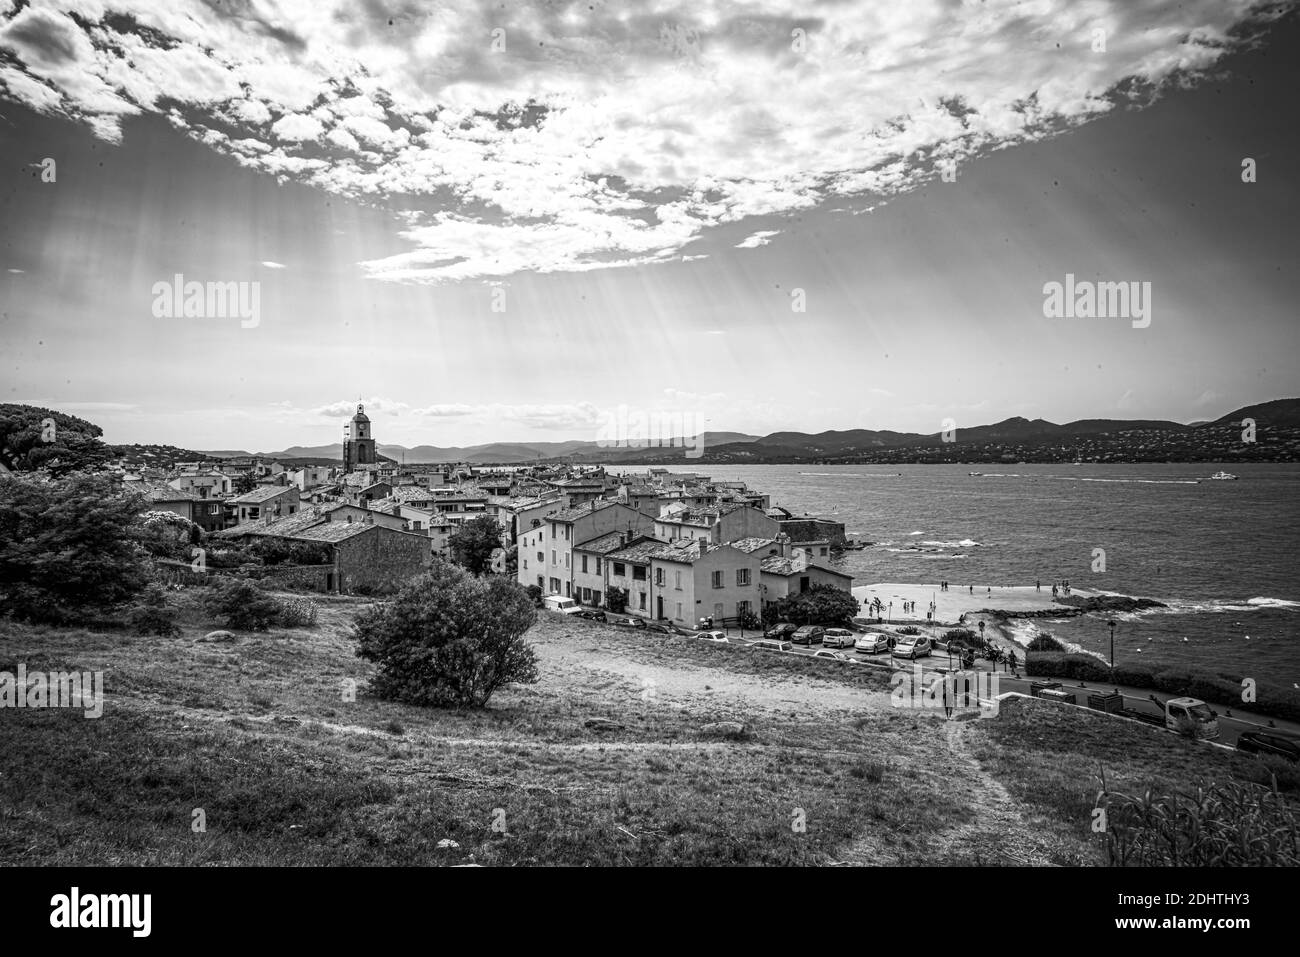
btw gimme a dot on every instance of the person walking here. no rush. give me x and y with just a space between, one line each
1038 586
947 702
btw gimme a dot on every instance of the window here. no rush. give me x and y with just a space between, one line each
679 611
678 575
541 557
552 531
619 570
598 566
584 564
595 598
586 595
638 573
555 584
717 579
554 560
566 559
659 576
742 576
823 551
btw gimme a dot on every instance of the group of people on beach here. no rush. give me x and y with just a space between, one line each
1061 587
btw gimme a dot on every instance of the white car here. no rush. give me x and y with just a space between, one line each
838 638
872 643
912 646
833 655
713 636
565 606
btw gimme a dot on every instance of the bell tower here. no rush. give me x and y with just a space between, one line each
358 446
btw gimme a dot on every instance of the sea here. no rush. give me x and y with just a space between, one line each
1221 555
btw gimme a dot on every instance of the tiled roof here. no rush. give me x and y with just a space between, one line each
334 531
575 513
640 550
602 544
264 494
750 545
776 565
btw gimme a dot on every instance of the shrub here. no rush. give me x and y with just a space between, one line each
819 605
449 639
1044 642
616 600
297 612
963 635
67 547
534 593
1228 825
151 615
908 630
241 605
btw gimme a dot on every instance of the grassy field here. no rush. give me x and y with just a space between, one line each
257 735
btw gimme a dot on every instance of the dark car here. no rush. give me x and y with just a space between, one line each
781 631
628 621
1270 742
594 614
663 627
808 635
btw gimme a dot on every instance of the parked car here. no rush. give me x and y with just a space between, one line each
592 614
663 627
565 606
713 636
771 644
628 621
1194 713
838 638
873 642
833 655
781 631
1270 742
808 634
912 646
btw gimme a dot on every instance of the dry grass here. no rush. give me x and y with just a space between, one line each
259 734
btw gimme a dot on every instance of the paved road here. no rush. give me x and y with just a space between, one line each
1137 699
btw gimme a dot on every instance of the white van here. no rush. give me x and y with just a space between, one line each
565 606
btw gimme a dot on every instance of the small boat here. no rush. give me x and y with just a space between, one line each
1222 476
974 473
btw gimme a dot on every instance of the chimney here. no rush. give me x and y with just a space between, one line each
783 543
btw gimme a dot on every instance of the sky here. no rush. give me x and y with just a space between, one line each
499 222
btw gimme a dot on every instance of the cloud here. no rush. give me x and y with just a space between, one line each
17 272
575 415
760 238
273 265
346 408
600 135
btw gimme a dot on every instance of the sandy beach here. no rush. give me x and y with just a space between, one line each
958 600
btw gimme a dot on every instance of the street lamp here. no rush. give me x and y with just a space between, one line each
1111 623
891 612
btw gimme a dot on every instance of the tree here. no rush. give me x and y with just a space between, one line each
243 483
151 615
819 605
449 639
616 600
473 543
34 438
240 604
67 546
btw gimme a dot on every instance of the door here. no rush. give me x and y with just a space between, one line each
717 613
659 606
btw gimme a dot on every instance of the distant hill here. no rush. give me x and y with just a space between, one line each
1017 432
1280 413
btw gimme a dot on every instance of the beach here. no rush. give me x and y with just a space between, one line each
951 605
